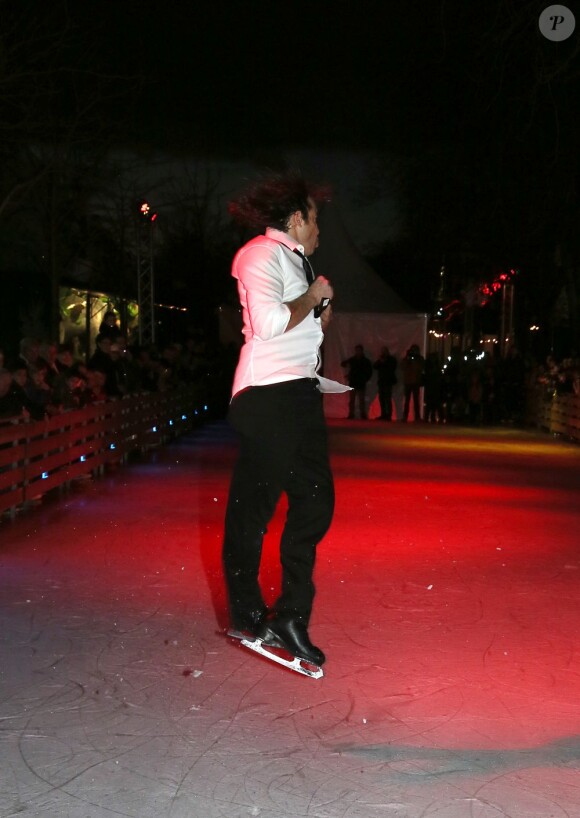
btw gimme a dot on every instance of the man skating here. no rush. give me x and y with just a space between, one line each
276 409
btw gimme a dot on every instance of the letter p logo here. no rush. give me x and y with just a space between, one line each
557 23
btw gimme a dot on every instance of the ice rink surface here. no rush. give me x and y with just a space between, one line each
448 606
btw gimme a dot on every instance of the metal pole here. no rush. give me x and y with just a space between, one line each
502 330
145 282
511 332
139 288
152 276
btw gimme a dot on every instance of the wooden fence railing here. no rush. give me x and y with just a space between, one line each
559 414
39 456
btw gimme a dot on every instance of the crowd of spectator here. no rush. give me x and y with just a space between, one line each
479 388
464 387
43 379
476 388
559 377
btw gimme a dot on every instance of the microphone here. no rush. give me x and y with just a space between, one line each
321 307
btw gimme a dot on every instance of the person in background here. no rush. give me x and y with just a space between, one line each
512 384
412 366
386 367
48 357
109 327
20 379
70 389
29 352
434 389
475 395
148 370
170 364
64 357
128 372
38 391
359 372
102 360
11 406
96 385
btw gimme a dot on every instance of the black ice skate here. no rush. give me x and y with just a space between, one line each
288 636
248 625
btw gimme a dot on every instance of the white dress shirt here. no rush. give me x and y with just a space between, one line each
270 274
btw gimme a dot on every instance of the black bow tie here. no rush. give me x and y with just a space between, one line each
306 266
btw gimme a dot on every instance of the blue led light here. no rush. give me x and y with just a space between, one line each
205 408
112 446
83 458
44 475
171 423
154 429
184 417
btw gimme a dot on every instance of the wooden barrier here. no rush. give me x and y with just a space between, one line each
38 456
558 414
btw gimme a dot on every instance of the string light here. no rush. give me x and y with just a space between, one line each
486 291
170 307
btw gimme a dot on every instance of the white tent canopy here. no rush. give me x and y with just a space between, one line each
366 311
358 288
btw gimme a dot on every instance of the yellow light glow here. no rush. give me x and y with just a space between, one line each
497 441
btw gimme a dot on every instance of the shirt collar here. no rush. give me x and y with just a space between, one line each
284 238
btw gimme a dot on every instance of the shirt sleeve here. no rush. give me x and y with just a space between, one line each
262 278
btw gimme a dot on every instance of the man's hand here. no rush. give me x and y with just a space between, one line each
320 288
325 300
302 306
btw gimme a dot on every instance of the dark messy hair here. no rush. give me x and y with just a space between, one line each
271 200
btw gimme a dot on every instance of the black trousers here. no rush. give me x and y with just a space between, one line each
412 391
386 400
283 448
358 397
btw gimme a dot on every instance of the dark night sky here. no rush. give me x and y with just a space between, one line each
251 79
248 81
398 82
237 77
450 128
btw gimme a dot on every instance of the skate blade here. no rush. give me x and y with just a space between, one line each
235 634
296 664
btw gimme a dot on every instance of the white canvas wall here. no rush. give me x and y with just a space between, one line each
373 330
